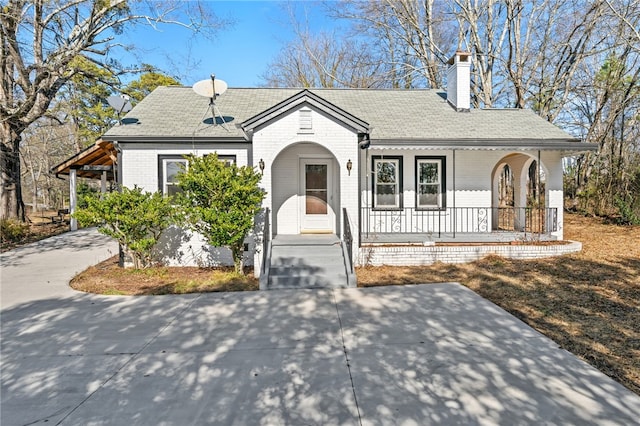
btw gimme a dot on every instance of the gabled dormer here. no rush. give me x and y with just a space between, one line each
305 102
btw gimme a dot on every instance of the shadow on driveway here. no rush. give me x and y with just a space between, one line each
426 354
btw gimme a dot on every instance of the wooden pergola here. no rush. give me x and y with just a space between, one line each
98 161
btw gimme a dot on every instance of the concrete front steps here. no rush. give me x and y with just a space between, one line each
308 261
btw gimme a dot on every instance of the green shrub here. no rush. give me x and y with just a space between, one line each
628 215
134 218
12 230
85 191
220 201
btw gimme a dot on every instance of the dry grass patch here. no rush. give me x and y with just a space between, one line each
588 302
38 228
108 278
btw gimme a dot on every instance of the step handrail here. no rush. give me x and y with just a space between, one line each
347 237
265 239
266 251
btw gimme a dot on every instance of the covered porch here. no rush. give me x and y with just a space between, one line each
419 206
98 161
418 196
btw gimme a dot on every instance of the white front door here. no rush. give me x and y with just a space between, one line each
316 189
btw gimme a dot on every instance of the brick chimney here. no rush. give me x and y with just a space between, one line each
459 81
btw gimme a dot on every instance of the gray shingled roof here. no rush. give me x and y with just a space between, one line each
394 115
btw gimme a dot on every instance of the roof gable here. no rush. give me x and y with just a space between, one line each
301 99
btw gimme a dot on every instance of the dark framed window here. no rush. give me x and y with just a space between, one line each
168 168
387 182
229 159
430 182
170 165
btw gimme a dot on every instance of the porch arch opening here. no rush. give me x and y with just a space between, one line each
536 184
518 188
305 190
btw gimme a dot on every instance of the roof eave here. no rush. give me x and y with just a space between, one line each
102 153
174 139
568 146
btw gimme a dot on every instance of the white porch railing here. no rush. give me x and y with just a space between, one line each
458 220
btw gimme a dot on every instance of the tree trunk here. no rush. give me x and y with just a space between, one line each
237 251
34 199
11 204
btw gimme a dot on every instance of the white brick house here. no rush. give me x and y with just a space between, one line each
407 172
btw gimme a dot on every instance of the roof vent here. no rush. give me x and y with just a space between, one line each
306 123
459 81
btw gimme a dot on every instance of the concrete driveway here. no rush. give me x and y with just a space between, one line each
414 355
42 270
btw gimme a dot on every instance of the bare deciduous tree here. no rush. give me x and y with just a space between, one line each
45 143
413 37
322 61
39 42
482 30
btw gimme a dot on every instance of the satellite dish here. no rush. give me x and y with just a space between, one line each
120 103
210 88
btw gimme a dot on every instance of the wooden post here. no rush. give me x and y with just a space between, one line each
103 183
73 198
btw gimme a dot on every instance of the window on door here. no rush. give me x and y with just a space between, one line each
316 188
430 182
387 182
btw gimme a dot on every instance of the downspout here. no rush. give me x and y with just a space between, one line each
359 174
364 145
366 187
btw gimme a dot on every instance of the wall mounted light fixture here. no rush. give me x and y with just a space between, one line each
349 166
261 165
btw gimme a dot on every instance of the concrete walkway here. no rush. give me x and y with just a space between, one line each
413 355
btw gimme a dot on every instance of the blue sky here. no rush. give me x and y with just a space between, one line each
238 55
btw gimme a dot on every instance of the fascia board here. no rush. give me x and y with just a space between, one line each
304 98
174 139
566 145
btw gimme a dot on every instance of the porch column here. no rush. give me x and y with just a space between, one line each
455 218
103 182
73 198
520 195
538 181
